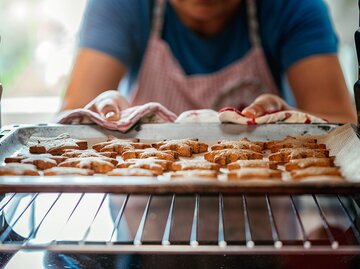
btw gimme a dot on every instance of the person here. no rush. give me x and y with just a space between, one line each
194 54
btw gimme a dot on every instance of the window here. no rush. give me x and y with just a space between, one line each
37 48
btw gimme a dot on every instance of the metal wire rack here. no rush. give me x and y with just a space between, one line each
202 224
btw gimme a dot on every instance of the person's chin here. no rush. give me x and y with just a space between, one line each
204 14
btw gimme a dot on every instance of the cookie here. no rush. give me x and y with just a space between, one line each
315 171
226 156
18 169
252 164
41 161
72 153
289 140
120 145
243 143
194 174
277 147
254 173
130 172
156 165
91 153
297 144
168 155
68 171
57 145
195 165
309 162
185 147
98 165
285 155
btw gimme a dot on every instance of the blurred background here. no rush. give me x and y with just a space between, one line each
38 45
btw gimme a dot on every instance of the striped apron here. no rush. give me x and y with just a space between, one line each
162 79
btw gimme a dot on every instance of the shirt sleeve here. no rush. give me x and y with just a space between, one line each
308 31
113 27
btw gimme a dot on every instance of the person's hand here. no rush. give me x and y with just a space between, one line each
265 103
108 105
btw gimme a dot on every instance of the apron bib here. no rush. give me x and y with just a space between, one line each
162 79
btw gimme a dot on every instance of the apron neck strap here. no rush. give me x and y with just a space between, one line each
253 23
158 17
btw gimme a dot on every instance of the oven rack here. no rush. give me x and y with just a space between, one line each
185 224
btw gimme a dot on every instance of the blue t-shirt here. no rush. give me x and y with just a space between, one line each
290 30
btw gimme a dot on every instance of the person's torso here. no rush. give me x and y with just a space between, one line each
199 55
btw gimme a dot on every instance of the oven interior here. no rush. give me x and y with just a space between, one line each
213 226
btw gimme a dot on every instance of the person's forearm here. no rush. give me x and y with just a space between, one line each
319 88
336 118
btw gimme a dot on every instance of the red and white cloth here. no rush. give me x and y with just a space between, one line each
157 113
148 113
199 115
233 115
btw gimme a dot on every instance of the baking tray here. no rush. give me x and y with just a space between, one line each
14 139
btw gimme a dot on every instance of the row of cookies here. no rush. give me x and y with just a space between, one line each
191 168
242 169
61 155
68 153
132 148
151 166
302 157
243 158
24 169
224 152
183 147
158 157
137 156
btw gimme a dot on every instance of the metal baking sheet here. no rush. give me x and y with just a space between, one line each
14 139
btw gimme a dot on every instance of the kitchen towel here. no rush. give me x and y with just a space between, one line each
147 113
199 115
233 115
157 113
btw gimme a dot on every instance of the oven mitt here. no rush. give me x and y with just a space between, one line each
147 113
233 115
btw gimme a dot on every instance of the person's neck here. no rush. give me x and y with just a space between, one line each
206 28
